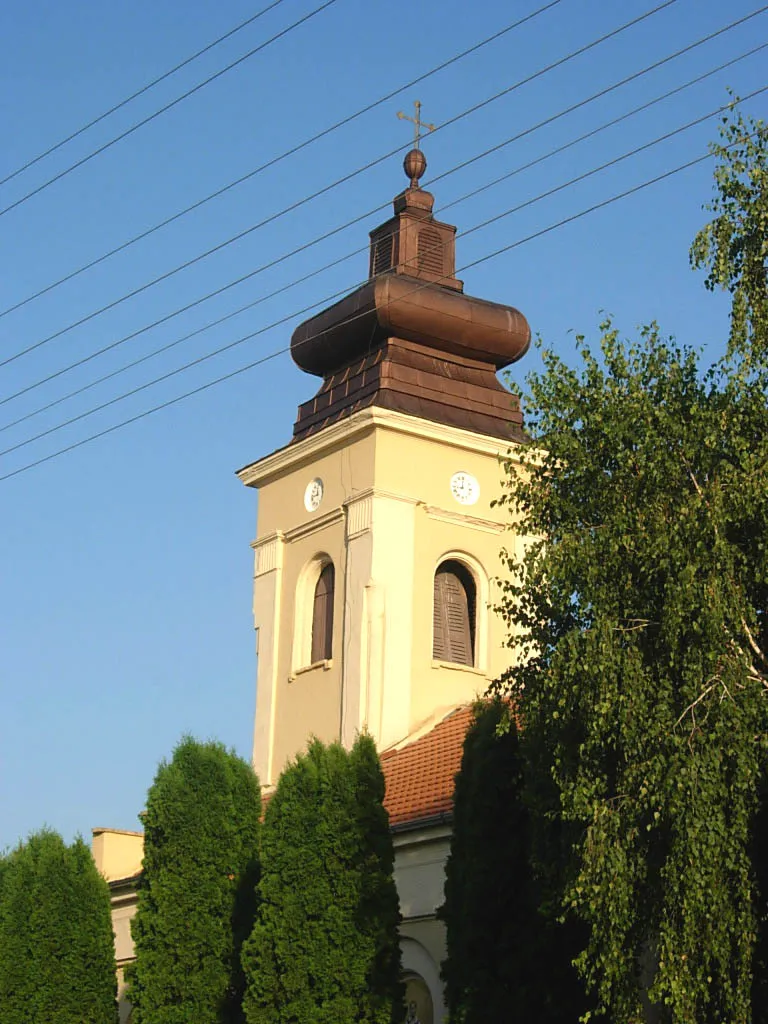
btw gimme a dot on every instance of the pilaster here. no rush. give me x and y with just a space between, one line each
267 587
392 612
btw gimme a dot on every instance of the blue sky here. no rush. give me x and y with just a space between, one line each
125 567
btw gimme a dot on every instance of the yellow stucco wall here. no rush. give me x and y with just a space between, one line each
387 519
420 857
117 853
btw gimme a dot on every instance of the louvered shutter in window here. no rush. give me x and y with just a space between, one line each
382 255
322 616
453 615
430 251
440 643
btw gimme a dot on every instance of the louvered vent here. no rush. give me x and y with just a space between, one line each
430 251
322 615
382 255
454 615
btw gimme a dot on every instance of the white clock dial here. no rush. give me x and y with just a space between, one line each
313 494
465 488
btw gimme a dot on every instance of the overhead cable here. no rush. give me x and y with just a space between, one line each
168 106
477 227
342 259
327 188
140 92
368 213
282 156
273 355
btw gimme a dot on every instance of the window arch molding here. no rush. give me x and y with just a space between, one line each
479 578
418 963
304 624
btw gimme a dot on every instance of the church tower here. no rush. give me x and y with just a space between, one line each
376 542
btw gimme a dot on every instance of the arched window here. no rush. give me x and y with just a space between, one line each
455 603
322 615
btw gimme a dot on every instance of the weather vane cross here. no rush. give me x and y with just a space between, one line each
417 123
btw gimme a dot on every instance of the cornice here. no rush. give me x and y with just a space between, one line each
300 453
462 519
334 515
421 831
358 425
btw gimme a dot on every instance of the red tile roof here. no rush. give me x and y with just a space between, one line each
420 775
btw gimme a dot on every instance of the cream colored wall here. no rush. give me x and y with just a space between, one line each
308 699
292 703
117 853
420 857
344 469
118 856
422 466
124 900
123 911
387 519
123 1005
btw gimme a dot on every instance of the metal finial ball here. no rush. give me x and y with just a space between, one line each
414 165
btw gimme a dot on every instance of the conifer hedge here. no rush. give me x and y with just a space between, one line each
505 959
57 956
197 891
325 945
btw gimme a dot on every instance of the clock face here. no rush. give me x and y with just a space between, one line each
313 494
465 488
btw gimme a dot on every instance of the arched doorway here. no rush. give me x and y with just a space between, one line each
418 1001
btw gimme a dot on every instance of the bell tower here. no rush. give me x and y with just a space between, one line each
376 542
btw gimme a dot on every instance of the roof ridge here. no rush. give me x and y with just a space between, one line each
420 774
424 728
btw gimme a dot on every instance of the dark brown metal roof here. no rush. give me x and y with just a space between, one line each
409 338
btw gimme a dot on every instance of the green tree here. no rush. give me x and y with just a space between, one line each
733 246
502 949
57 956
196 896
638 617
325 944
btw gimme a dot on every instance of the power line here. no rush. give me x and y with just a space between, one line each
140 92
327 188
273 355
167 107
314 273
473 160
178 341
603 127
282 156
477 227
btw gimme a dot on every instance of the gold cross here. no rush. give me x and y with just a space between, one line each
418 124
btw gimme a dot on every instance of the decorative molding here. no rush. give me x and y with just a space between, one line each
379 492
359 508
423 834
457 437
313 494
454 666
339 435
359 514
324 664
306 452
335 515
268 553
462 519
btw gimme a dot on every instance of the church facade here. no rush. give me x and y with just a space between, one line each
376 548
